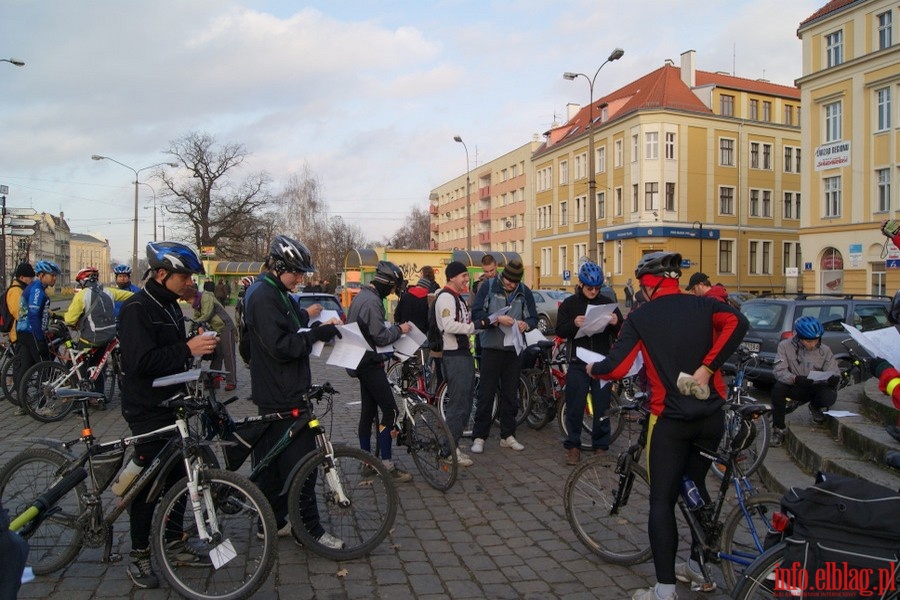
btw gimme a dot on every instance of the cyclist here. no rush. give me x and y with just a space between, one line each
579 384
280 373
153 344
796 358
676 333
367 310
123 282
23 276
34 316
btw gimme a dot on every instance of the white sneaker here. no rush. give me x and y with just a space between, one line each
510 442
650 594
477 446
462 459
684 573
330 541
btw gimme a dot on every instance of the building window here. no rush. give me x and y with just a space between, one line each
883 97
581 166
766 266
767 111
563 258
792 205
726 200
634 148
832 196
754 155
618 153
767 203
754 203
601 205
563 172
651 196
754 258
651 141
544 179
545 217
833 122
580 251
581 209
634 198
546 261
726 152
883 176
600 160
670 146
754 110
670 196
618 257
791 159
564 213
767 157
791 256
726 256
619 207
788 114
726 105
834 48
885 20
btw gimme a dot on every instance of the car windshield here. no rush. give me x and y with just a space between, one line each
327 302
763 316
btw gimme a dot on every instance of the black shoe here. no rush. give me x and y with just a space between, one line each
777 437
141 570
191 551
818 415
893 431
892 459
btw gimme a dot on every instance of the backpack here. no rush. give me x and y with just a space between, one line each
98 323
244 328
7 318
435 335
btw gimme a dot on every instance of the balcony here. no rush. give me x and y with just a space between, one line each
433 209
434 228
484 237
484 214
484 192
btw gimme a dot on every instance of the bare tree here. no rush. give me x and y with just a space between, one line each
414 234
212 208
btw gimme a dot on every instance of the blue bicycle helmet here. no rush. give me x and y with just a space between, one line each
590 274
122 270
47 266
808 328
174 257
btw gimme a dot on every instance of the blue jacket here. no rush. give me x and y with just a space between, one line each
491 297
34 310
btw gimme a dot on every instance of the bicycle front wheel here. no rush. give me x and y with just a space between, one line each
751 457
743 535
353 496
58 539
432 447
8 365
618 537
543 396
237 561
37 391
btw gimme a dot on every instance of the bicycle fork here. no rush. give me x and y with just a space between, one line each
331 470
193 468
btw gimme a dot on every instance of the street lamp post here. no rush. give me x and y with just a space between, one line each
153 191
700 226
592 176
456 138
13 61
134 252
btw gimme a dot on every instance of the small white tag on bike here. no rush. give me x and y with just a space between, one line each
222 554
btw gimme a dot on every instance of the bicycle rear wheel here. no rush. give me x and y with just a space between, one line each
7 382
590 493
543 398
743 539
432 448
470 423
37 391
355 498
244 547
751 457
58 539
758 580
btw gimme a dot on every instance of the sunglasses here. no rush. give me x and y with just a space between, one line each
591 288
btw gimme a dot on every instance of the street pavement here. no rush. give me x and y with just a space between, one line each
499 532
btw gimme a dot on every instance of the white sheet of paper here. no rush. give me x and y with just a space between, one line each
513 337
348 349
325 315
534 336
884 343
502 311
588 356
596 318
186 377
317 347
837 414
222 554
409 343
819 375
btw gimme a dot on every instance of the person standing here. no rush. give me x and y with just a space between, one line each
122 275
700 285
367 310
579 384
500 365
629 293
221 292
23 277
153 344
280 374
676 333
208 309
34 318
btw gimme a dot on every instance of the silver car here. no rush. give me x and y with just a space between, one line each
547 303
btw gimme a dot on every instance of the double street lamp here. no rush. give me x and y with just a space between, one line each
134 252
458 139
592 176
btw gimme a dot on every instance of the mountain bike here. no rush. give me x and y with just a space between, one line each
607 498
354 494
7 365
219 518
546 382
416 375
854 368
424 433
523 404
624 391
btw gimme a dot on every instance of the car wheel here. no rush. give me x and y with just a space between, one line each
544 324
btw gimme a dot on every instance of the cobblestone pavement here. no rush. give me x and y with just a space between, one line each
500 532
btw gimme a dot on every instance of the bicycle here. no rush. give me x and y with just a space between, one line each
523 403
423 430
7 367
40 382
354 491
606 500
416 374
213 533
854 368
546 382
623 391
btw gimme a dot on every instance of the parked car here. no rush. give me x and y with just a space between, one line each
547 303
609 293
772 320
328 302
737 299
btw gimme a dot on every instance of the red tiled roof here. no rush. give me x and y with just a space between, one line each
828 8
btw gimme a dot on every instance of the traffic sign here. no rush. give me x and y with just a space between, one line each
19 222
17 231
567 275
21 212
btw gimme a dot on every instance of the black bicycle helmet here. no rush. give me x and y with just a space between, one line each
894 315
663 264
388 273
174 257
286 254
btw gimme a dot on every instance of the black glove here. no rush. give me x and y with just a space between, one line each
325 333
833 380
879 366
802 381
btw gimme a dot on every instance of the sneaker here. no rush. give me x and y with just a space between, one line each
477 446
398 475
368 471
650 594
461 459
818 415
329 541
283 531
684 573
777 437
191 550
19 412
511 443
573 455
141 570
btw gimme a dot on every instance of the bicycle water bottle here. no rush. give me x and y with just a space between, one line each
691 494
126 477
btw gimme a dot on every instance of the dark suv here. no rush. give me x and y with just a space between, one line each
772 320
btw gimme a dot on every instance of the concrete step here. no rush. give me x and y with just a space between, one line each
876 405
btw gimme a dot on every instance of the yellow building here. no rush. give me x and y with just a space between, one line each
851 70
87 250
701 163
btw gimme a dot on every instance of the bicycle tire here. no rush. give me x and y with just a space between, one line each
242 512
543 399
469 425
432 447
37 391
616 423
58 539
7 378
737 538
368 486
750 458
758 580
590 491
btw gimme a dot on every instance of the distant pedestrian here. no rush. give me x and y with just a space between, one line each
700 285
221 292
629 293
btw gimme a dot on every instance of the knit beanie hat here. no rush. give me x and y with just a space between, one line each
454 269
25 270
514 270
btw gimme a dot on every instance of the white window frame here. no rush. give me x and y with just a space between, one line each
563 258
601 205
885 29
581 209
833 200
563 213
635 197
833 121
651 195
600 159
635 148
581 166
619 202
651 145
883 182
791 205
834 48
754 155
730 206
563 172
671 202
753 207
883 109
619 157
547 261
726 153
670 145
766 157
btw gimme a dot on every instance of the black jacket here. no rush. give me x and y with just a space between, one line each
574 306
413 306
279 370
153 344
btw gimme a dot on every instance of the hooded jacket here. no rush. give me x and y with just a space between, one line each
413 307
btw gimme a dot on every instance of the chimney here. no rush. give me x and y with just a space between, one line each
689 68
571 110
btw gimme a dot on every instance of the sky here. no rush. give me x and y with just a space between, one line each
367 93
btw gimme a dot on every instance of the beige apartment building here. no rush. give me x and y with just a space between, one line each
696 162
495 209
851 71
90 250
